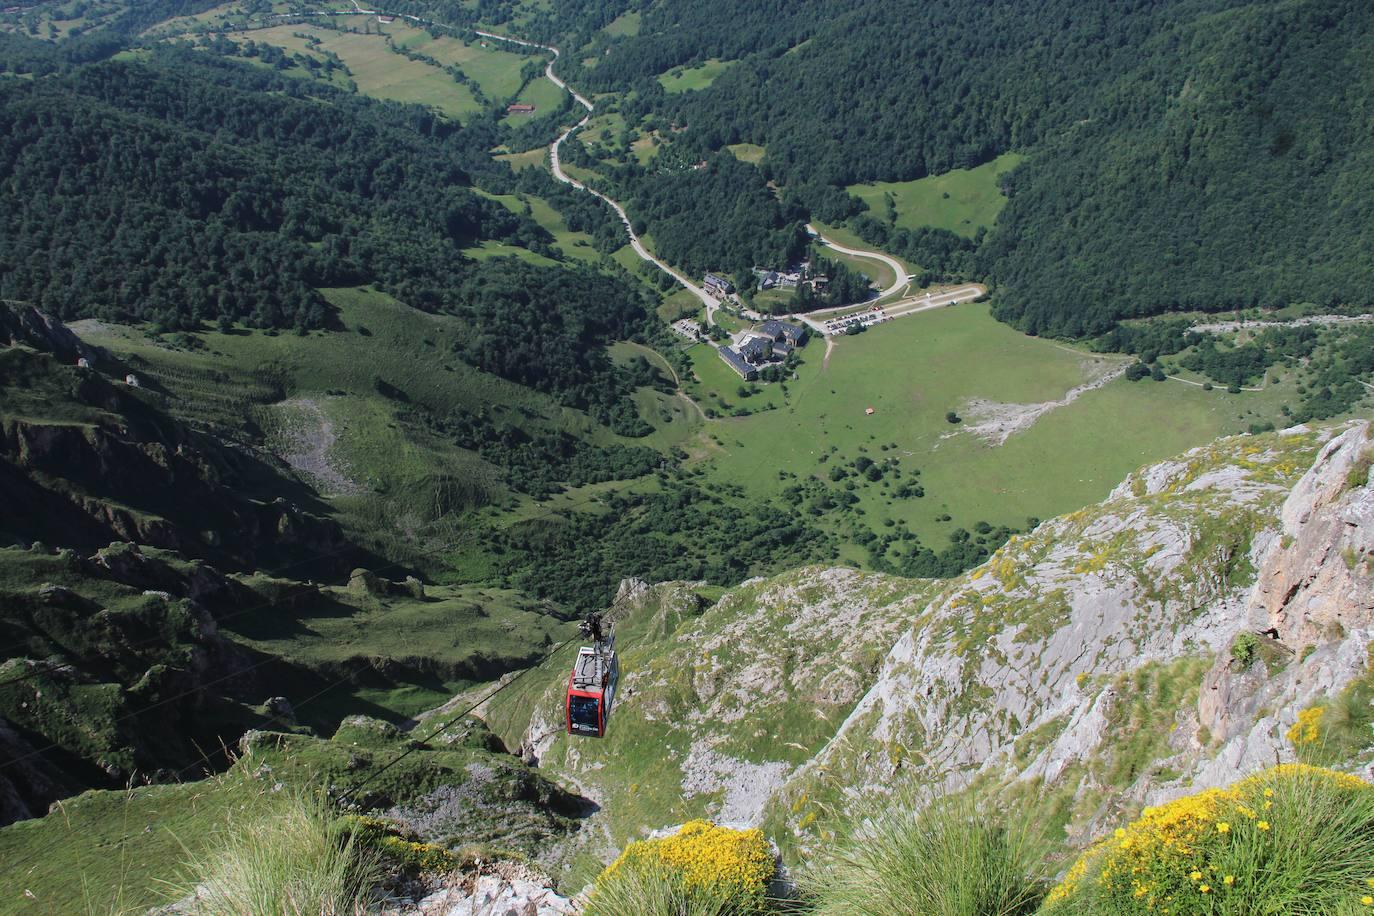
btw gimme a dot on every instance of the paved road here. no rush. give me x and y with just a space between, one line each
557 167
911 305
902 278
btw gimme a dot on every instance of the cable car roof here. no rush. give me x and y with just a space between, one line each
589 671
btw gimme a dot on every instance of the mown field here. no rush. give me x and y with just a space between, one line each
371 52
376 69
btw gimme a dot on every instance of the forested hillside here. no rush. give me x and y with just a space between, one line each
1187 154
193 189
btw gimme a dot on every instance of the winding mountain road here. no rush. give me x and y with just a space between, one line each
901 277
557 168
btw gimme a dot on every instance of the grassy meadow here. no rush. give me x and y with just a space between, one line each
912 372
876 271
747 152
624 24
402 472
114 852
686 79
962 200
493 65
540 93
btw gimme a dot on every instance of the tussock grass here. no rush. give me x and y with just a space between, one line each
955 858
296 858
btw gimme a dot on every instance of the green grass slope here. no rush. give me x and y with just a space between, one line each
109 851
962 201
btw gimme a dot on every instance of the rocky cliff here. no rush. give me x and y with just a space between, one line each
86 459
1131 652
1120 655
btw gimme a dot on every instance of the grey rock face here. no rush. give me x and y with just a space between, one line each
1117 622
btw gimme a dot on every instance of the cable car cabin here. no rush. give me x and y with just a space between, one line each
591 689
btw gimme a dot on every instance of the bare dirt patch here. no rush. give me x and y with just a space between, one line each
304 441
995 422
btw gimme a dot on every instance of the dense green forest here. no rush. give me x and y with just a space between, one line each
193 188
1184 154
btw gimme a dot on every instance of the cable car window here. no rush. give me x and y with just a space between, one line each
582 713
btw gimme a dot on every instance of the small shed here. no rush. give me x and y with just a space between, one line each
869 411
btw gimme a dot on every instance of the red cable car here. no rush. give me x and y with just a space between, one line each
591 688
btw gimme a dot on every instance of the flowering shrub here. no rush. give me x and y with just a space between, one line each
1308 728
1292 839
396 847
702 868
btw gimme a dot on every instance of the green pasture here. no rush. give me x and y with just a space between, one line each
432 647
645 147
226 14
627 258
398 472
717 387
57 21
679 300
686 79
576 245
877 271
540 93
603 130
775 301
530 159
961 201
914 370
488 249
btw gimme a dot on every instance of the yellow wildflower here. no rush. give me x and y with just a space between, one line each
1176 842
1308 727
1367 900
1206 888
705 855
